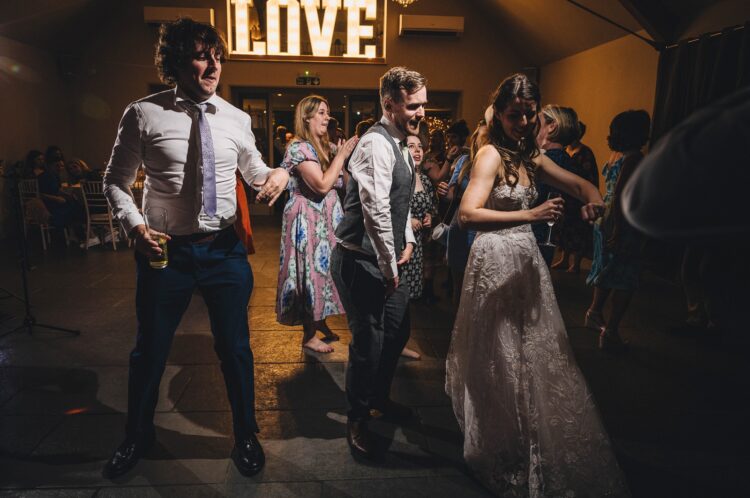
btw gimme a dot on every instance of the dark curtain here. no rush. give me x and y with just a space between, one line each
690 76
694 74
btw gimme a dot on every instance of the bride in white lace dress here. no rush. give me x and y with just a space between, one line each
531 428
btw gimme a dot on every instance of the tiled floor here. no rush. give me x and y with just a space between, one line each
674 405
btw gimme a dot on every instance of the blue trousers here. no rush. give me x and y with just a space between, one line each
219 268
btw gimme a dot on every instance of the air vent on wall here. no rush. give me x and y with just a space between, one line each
448 26
158 15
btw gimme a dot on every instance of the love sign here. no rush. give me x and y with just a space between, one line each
320 30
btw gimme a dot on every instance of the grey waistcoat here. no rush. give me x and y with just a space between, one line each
352 227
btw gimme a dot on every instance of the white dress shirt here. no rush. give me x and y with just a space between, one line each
161 132
371 165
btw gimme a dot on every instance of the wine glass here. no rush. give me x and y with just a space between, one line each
551 222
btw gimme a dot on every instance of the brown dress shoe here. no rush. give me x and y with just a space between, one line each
360 440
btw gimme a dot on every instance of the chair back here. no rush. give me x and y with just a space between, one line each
34 210
93 198
28 189
137 190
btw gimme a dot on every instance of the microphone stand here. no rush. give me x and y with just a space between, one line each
29 321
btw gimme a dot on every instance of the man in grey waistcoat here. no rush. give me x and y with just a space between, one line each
374 241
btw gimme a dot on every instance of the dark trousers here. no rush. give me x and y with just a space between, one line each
379 326
219 268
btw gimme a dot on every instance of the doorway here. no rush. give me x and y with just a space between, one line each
270 109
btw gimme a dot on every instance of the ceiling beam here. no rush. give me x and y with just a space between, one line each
656 19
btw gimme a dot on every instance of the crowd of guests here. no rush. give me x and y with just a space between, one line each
62 203
315 154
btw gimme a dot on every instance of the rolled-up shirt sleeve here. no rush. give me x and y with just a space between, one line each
250 162
126 158
372 168
409 233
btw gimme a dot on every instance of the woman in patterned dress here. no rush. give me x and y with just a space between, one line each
423 208
617 245
306 293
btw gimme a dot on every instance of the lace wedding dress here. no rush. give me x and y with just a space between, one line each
531 428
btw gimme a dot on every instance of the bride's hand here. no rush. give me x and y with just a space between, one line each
550 210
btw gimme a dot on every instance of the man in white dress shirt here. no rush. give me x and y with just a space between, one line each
190 142
374 241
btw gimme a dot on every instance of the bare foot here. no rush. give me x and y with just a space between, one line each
557 264
410 353
318 346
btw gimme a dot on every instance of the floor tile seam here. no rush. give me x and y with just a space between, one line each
228 410
181 394
95 490
55 426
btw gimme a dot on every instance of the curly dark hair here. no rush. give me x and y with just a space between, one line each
176 46
514 154
629 130
461 129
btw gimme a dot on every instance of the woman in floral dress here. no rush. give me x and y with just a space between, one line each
306 293
423 209
617 244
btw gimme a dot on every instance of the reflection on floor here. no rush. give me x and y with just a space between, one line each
673 405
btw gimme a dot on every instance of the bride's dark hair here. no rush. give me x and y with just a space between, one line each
514 154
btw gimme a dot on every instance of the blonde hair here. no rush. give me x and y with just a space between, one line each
566 119
479 139
305 110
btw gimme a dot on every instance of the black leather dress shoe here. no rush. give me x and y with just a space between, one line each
390 411
126 456
361 441
248 456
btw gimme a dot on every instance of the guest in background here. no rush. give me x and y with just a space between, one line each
63 208
578 240
423 209
279 145
306 293
78 171
455 137
583 156
716 227
435 156
333 125
460 239
363 126
433 253
34 164
617 244
55 161
558 129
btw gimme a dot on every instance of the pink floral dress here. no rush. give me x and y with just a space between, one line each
306 291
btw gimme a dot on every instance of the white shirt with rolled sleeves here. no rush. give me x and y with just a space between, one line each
371 165
161 133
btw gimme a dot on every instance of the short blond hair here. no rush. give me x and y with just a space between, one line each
566 119
399 78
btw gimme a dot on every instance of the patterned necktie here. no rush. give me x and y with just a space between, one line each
208 160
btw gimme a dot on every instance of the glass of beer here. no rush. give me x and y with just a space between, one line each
156 219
